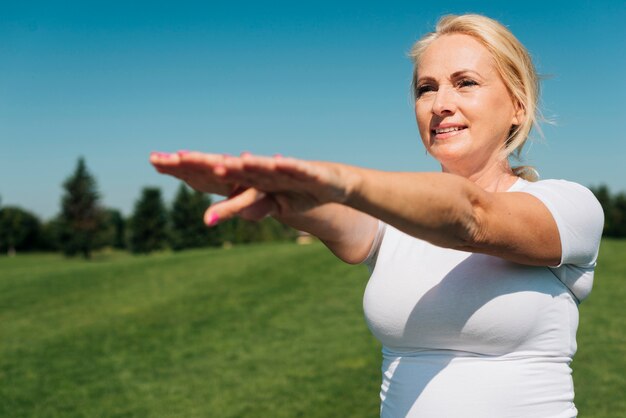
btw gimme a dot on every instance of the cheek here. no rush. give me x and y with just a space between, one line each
504 109
490 114
423 121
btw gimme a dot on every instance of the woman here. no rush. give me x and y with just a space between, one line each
476 272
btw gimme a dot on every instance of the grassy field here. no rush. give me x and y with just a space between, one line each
257 331
600 363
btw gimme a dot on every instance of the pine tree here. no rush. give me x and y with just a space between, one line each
81 216
188 228
114 229
148 225
614 207
116 219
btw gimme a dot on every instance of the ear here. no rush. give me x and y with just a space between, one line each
519 115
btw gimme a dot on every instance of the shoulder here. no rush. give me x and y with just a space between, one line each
564 195
578 215
554 185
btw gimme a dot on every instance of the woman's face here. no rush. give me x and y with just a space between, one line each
463 109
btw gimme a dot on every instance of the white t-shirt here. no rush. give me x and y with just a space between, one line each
472 335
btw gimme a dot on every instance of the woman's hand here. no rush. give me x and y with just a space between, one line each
282 187
258 186
307 183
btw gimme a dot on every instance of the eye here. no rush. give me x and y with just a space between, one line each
423 89
466 82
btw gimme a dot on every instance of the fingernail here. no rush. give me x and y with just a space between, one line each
213 218
278 155
163 154
245 153
183 152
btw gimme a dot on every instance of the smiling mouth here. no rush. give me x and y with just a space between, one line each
446 130
442 133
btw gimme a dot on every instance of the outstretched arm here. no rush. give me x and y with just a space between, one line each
347 232
451 211
444 209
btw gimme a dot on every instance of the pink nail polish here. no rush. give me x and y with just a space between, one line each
183 152
278 155
213 218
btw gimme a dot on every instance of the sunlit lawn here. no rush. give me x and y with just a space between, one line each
600 364
271 330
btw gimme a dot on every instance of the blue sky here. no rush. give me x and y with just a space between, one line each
112 81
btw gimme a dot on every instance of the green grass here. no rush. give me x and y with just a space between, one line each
600 363
256 331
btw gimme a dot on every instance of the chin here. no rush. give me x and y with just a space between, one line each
448 152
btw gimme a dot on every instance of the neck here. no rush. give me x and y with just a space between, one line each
495 177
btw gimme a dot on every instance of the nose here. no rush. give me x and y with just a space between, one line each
444 103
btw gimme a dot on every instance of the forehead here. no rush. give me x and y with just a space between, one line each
451 53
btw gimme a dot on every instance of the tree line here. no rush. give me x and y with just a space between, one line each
614 206
84 225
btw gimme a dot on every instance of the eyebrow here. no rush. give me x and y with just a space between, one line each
465 71
455 74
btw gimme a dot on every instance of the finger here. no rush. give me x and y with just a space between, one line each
231 207
232 166
298 169
294 168
287 173
262 172
208 165
224 167
167 163
265 181
194 168
248 170
326 181
259 209
163 159
235 170
255 164
170 163
200 160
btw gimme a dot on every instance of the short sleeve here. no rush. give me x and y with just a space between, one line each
370 260
580 220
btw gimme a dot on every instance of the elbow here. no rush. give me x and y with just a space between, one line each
459 226
471 226
461 231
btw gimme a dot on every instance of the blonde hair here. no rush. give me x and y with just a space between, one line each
514 65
